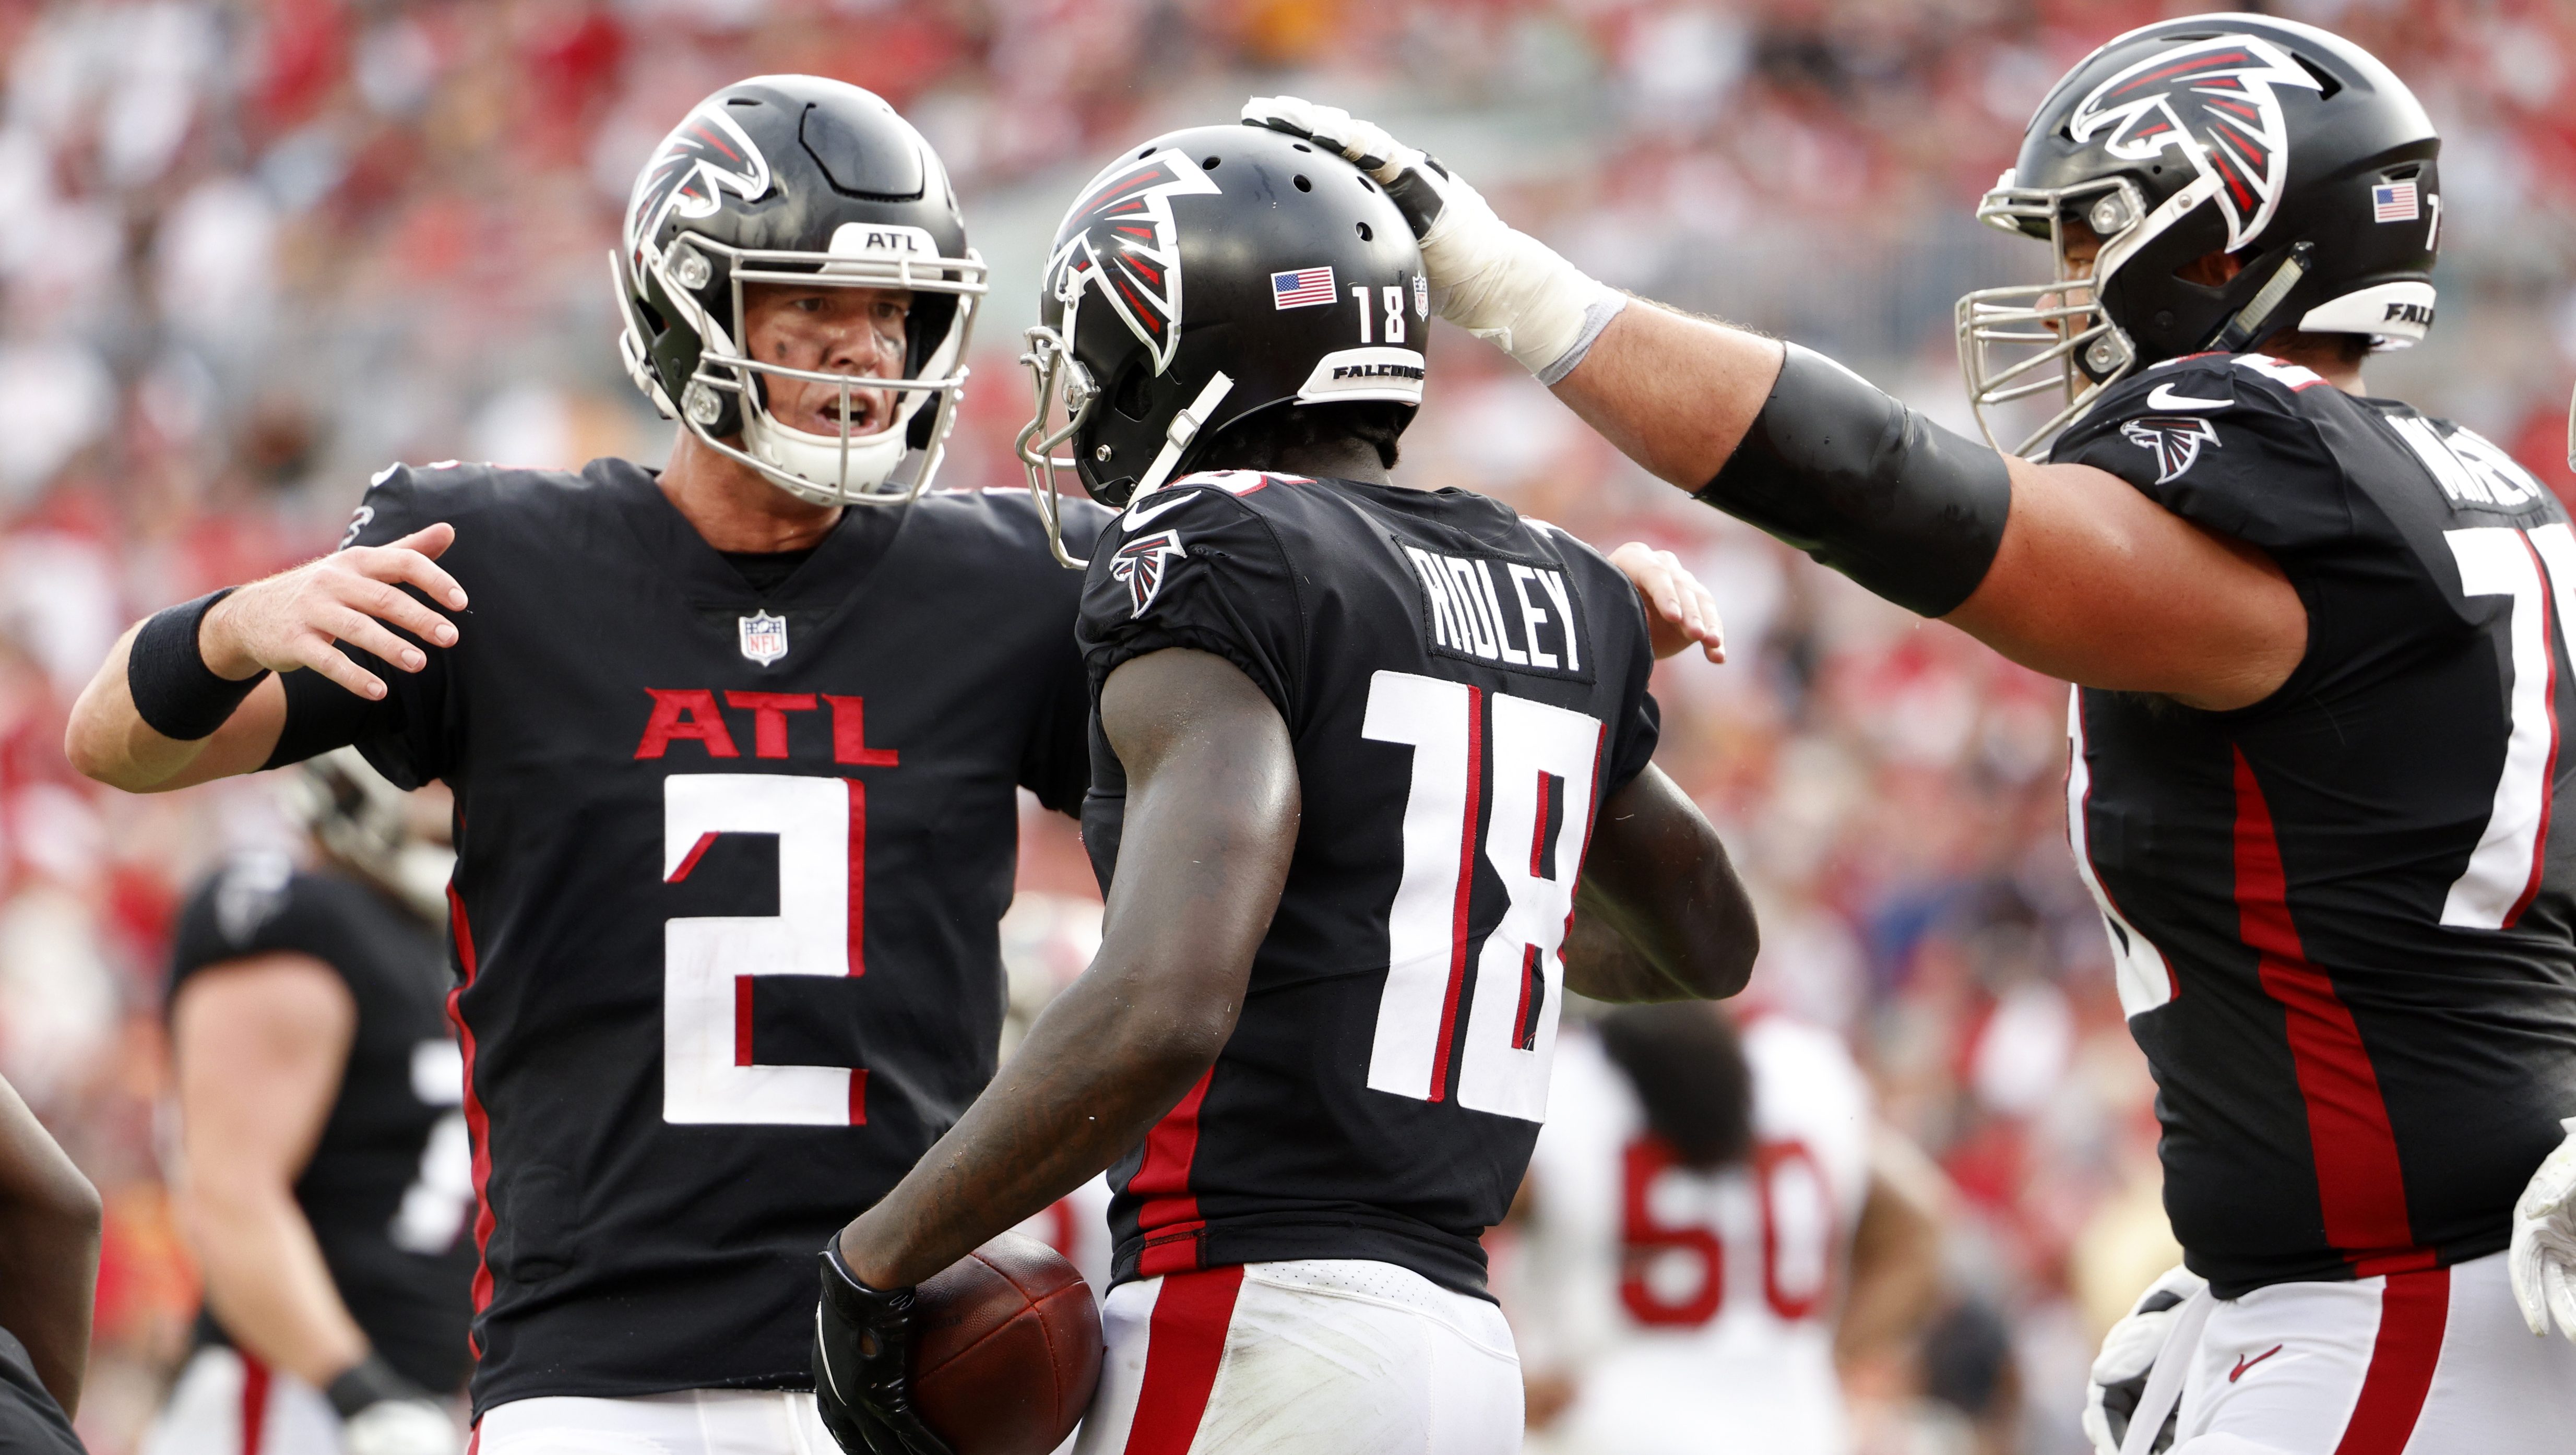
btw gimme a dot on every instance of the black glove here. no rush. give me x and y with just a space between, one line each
862 1342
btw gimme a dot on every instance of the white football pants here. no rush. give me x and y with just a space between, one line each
226 1404
2431 1363
1311 1357
685 1422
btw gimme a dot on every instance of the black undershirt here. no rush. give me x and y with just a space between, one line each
765 570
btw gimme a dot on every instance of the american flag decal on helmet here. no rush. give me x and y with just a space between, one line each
2212 101
1121 239
707 154
2174 439
1140 564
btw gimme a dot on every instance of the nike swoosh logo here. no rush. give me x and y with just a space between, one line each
1138 517
2164 397
2243 1363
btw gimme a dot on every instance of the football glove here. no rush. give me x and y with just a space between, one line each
383 1413
862 1342
2128 1355
2543 1257
1487 277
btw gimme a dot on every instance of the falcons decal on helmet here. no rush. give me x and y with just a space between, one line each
2213 102
1140 564
706 154
1121 240
2174 439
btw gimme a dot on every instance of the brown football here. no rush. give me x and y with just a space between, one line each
1006 1349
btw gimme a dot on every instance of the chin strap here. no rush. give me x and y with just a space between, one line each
1185 428
2254 320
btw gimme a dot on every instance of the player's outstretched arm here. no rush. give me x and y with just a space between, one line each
188 696
2063 568
1211 821
1659 914
49 1222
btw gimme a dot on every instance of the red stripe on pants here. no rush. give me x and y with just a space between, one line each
254 1403
2361 1190
2414 1309
1184 1343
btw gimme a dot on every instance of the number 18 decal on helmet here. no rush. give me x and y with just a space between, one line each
2290 151
1207 277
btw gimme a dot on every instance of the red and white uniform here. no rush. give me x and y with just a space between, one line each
1697 1309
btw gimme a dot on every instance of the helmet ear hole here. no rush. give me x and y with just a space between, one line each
1133 394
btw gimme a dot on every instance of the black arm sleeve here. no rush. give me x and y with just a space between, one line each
1836 467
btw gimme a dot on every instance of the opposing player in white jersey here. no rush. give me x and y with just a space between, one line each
1704 1207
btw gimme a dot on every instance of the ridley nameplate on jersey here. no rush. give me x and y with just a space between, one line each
764 637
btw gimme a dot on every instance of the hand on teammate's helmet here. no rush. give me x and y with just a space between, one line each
2542 1260
2128 1355
383 1413
862 1342
1487 277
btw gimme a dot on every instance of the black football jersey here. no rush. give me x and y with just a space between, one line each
388 1189
731 863
2341 918
1463 688
31 1423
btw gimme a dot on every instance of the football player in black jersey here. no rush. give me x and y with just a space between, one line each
735 749
49 1225
323 1175
1359 752
2320 646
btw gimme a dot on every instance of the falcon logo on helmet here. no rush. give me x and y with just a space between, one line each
2174 439
1125 243
1140 563
705 154
2213 103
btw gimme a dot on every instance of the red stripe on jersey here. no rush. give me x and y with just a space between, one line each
858 1096
1538 823
697 851
2361 1190
254 1403
2414 1309
478 1128
2549 629
1184 1343
1458 936
1169 1217
858 876
742 1020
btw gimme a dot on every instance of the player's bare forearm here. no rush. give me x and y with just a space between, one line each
49 1225
1674 393
1896 1251
1211 822
1660 913
109 741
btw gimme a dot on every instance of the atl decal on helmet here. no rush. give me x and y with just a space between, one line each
2174 439
2213 103
1130 246
703 154
1140 564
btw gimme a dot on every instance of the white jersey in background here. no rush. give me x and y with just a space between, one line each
1696 1310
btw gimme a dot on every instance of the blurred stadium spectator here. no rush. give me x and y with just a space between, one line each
256 249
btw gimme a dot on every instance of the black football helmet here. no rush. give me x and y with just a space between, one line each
2291 148
1205 277
796 179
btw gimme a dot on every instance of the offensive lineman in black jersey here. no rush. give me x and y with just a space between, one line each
2320 643
323 1173
735 750
1355 749
49 1226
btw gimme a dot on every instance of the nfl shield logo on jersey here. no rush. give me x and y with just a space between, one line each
764 637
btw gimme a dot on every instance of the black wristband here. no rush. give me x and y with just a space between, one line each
370 1381
175 693
1842 471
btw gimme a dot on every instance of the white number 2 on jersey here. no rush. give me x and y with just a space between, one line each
708 963
1539 769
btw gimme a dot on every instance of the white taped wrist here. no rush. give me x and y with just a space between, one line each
1509 288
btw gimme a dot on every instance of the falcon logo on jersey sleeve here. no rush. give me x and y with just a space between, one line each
2213 103
2174 439
1128 247
707 153
1141 563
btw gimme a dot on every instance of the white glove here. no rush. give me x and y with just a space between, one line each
2128 1354
1487 277
2543 1258
400 1427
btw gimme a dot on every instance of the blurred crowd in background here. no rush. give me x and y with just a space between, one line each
253 250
